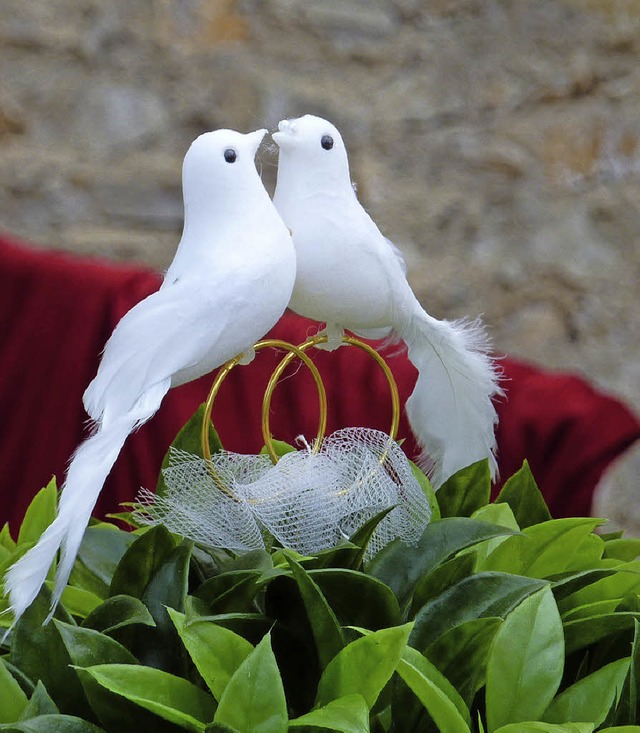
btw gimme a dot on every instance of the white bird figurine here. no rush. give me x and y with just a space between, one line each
350 276
229 283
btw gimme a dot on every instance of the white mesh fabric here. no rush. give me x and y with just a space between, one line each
307 501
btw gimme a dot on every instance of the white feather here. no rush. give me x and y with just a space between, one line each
229 283
350 276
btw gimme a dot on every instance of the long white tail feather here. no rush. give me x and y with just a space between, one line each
450 409
87 473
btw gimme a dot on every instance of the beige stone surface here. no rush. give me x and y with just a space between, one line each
495 141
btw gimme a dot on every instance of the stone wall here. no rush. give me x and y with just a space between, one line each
496 142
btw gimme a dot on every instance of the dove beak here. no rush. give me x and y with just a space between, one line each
255 138
285 132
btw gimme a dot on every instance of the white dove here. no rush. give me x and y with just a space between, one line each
350 276
229 283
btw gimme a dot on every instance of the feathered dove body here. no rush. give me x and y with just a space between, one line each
229 283
350 276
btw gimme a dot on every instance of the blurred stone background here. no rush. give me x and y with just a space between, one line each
496 142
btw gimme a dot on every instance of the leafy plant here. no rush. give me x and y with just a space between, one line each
500 620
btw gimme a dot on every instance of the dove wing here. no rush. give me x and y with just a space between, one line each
170 331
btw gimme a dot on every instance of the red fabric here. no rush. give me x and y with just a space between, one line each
57 311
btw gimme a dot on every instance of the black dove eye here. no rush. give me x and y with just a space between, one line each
230 155
326 142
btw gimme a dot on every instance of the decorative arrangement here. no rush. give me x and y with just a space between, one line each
307 500
499 620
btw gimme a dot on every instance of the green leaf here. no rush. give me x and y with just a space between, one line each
526 662
160 646
568 583
348 714
590 698
400 566
441 579
77 601
169 697
253 701
325 628
461 654
537 727
38 651
584 632
618 585
141 561
628 708
102 548
478 596
439 697
364 666
358 599
466 491
280 447
12 699
118 612
39 703
230 592
524 497
621 729
362 536
428 490
623 549
39 515
189 439
6 541
216 651
52 724
545 549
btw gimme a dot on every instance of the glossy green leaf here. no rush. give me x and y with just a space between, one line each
77 601
461 654
52 724
362 536
538 727
230 592
280 447
364 666
12 699
358 599
141 561
40 513
466 491
621 729
584 632
428 490
40 703
438 696
348 714
526 662
441 579
591 697
400 566
522 494
253 701
102 548
118 612
38 651
189 439
623 549
216 651
167 696
325 628
618 585
478 596
6 540
544 549
628 708
497 514
566 584
599 608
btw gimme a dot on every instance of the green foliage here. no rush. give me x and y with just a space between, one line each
499 620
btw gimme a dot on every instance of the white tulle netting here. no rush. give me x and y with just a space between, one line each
308 502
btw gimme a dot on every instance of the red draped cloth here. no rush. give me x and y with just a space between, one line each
57 311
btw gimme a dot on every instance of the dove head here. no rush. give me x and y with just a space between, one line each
312 156
219 170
